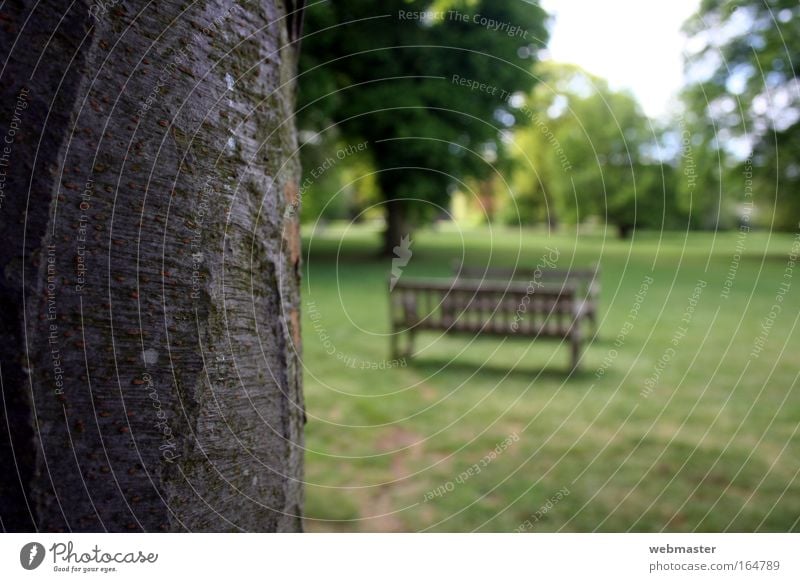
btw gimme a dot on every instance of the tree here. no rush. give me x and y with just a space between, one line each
426 85
743 102
584 153
150 376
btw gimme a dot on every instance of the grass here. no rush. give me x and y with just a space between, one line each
713 446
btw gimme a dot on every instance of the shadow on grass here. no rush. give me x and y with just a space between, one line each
525 371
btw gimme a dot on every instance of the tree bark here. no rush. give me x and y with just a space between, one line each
150 267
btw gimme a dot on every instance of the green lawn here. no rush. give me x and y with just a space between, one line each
713 444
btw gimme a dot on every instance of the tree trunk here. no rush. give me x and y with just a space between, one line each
397 226
150 268
624 230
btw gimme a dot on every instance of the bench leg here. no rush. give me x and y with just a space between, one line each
575 344
393 344
410 344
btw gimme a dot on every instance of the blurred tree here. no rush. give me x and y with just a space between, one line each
426 84
333 188
586 154
701 167
743 100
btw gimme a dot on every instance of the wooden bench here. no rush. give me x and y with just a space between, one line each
586 280
491 307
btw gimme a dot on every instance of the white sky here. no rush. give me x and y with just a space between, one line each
635 44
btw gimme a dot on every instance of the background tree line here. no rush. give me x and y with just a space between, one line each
553 144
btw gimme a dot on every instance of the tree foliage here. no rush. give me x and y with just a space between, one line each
585 154
426 85
743 101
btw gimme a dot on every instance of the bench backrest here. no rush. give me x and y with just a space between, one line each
587 278
485 306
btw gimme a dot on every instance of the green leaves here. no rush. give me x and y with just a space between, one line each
584 155
747 104
383 72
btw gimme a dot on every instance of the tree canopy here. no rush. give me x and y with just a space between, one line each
427 86
585 154
743 101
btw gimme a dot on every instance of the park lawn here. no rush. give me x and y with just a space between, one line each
713 445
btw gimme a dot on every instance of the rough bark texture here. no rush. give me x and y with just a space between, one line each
149 281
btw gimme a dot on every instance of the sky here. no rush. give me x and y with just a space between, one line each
635 44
